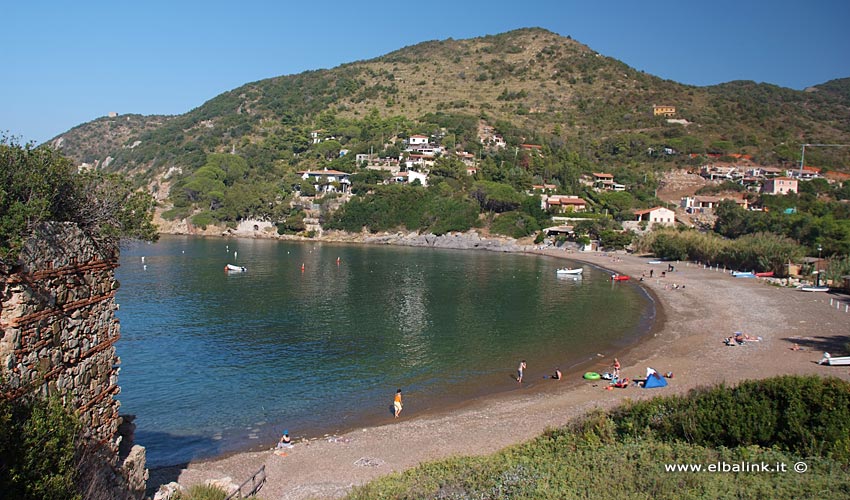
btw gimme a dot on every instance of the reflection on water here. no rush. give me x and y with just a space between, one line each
214 362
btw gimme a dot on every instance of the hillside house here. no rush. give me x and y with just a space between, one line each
605 182
544 188
667 111
657 215
467 159
419 161
559 203
707 204
417 140
807 173
779 185
328 181
409 177
720 173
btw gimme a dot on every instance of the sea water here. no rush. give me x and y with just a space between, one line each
316 338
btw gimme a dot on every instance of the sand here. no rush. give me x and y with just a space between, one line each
686 340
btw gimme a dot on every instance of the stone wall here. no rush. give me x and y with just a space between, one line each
59 332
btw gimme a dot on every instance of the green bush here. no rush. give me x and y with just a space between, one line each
39 185
203 219
807 416
202 492
514 224
38 455
760 252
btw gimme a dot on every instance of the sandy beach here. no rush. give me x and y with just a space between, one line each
697 308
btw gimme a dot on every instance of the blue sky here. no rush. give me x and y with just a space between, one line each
70 62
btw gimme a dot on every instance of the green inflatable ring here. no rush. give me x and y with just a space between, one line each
592 376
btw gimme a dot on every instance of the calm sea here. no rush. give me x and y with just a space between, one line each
315 338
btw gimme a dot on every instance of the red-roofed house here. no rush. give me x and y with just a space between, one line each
656 215
562 203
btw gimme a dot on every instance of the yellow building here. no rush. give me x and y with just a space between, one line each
664 110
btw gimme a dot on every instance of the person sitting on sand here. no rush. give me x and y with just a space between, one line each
285 440
729 341
557 375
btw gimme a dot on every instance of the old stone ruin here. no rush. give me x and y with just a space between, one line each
58 338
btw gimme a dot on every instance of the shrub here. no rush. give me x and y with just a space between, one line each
203 492
37 450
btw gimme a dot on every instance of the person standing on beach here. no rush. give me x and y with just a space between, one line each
616 368
519 371
397 406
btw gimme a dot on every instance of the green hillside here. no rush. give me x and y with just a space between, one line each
237 155
551 89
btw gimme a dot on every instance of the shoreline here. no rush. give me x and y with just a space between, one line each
688 322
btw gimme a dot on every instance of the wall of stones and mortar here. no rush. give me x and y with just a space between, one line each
59 332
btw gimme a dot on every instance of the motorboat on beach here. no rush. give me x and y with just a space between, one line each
231 268
814 288
620 277
743 274
566 271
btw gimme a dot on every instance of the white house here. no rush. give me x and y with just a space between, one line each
656 215
324 180
417 140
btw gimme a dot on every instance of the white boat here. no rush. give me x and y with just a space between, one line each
234 269
743 274
568 271
840 361
814 288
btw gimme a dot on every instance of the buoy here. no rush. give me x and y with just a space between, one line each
143 258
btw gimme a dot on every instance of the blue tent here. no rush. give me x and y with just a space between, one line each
654 380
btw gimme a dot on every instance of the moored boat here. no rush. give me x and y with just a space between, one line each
620 277
234 269
569 271
814 288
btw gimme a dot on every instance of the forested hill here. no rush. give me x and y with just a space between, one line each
532 85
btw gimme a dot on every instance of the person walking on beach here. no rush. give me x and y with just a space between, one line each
519 371
397 406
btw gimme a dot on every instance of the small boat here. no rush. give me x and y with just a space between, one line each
766 274
814 288
743 274
230 268
620 277
840 361
567 270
